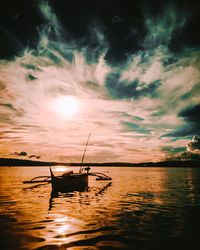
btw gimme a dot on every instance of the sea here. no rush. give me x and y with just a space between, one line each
140 208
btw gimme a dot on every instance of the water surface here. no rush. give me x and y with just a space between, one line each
142 208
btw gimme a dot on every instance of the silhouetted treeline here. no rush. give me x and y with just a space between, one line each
22 162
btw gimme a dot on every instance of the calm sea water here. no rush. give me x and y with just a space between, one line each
142 208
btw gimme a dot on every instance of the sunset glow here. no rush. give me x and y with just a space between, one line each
99 124
136 87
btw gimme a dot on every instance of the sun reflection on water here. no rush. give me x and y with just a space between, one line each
137 199
62 228
60 170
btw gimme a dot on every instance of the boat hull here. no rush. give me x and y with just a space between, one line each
75 182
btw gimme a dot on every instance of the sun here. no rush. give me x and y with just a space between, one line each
67 106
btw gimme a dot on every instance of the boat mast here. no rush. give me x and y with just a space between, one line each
84 152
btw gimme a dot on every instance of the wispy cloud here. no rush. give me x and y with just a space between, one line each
162 28
134 108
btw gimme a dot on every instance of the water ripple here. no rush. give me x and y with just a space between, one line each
140 210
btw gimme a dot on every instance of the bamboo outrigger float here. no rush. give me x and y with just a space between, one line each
70 181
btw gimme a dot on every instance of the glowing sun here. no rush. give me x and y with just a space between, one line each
67 106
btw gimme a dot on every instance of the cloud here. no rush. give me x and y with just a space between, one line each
26 154
191 117
34 156
187 156
190 152
52 27
31 77
133 90
129 89
7 105
163 27
21 154
117 19
135 127
173 151
194 145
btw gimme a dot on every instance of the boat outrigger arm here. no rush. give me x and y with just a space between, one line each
39 179
101 176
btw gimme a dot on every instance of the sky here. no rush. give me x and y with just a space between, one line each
126 71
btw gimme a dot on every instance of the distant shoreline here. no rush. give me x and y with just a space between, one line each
29 163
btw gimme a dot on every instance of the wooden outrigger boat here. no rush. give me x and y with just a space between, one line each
70 181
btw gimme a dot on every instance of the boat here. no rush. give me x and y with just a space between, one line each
69 181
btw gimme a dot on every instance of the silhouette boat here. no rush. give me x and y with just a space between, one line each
70 181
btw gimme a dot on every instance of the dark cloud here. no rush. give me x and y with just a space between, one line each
4 116
117 19
191 152
129 89
7 105
194 91
159 113
172 151
18 27
21 153
131 125
190 156
30 66
34 156
194 144
187 36
144 131
25 154
135 127
122 23
191 116
138 118
31 77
